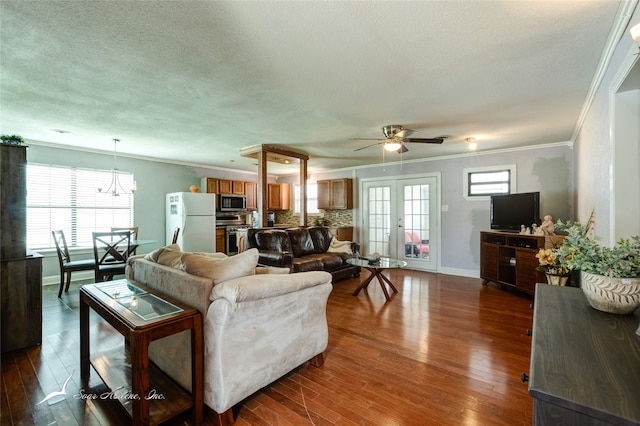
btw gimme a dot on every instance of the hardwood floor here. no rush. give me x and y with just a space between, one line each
444 351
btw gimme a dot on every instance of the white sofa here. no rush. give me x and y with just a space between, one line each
259 324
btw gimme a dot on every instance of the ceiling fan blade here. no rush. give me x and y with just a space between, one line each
368 146
366 139
419 140
405 133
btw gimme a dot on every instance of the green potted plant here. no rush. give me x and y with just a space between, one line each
320 221
12 139
609 276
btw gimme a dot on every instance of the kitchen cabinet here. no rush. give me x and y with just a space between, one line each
209 185
220 240
335 194
344 233
278 196
225 186
251 192
228 186
237 187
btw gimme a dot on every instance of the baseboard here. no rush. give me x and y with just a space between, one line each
76 276
469 273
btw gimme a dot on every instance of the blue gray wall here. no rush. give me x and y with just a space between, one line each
548 170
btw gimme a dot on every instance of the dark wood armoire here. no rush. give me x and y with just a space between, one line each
20 269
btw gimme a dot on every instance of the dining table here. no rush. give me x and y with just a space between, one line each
134 244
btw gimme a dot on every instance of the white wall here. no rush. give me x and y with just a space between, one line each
594 159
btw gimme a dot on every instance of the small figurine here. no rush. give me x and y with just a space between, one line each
547 226
523 229
537 230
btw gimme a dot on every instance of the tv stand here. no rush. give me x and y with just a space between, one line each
509 259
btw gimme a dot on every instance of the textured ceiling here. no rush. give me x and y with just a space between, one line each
195 81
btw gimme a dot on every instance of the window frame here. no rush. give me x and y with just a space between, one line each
466 179
296 199
75 206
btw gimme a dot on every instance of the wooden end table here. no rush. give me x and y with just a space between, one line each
376 268
142 315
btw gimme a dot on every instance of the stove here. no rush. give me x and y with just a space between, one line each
233 225
228 219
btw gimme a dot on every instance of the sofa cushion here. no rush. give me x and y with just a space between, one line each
321 237
307 263
169 256
331 261
245 289
220 269
273 240
339 246
301 242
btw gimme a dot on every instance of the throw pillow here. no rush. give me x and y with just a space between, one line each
337 246
168 256
221 269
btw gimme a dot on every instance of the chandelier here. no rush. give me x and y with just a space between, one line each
115 187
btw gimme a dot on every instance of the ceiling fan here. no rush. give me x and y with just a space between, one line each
395 137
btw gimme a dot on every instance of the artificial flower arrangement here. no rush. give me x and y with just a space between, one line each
582 251
554 261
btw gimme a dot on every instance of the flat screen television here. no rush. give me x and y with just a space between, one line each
510 211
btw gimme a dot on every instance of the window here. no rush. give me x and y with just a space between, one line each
481 183
312 198
66 198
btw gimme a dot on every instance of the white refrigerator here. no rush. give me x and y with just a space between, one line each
195 215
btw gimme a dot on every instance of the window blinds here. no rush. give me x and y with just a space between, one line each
66 198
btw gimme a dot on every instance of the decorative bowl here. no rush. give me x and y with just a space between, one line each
613 295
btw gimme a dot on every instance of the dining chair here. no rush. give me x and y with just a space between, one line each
176 232
110 251
134 234
67 266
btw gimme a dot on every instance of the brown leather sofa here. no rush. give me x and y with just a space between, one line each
302 249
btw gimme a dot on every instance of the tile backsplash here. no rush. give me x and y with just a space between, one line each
335 218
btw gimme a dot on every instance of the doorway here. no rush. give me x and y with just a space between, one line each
400 220
625 130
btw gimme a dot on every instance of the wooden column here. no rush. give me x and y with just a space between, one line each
263 187
276 153
303 192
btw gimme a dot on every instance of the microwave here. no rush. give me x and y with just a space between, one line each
231 203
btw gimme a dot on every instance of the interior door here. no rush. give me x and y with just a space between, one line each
400 220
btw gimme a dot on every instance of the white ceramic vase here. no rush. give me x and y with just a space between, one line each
612 295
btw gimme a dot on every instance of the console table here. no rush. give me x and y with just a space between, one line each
585 364
510 259
142 315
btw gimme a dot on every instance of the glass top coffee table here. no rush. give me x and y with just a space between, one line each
376 268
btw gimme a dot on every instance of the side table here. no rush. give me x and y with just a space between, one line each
142 315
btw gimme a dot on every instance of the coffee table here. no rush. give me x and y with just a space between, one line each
376 268
142 315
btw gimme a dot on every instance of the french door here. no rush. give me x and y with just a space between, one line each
400 220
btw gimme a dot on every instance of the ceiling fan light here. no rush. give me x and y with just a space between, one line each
635 33
471 144
392 146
